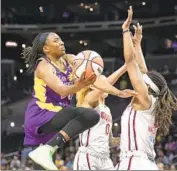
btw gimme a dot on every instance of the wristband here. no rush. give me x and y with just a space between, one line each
125 31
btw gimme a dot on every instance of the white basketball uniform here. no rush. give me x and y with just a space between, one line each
138 132
94 152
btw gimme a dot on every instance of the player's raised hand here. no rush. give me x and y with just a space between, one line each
137 35
128 21
83 82
127 93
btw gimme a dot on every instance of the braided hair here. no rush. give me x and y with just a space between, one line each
32 53
166 103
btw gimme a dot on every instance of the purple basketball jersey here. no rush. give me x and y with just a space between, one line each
44 105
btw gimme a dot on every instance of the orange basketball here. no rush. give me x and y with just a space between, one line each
89 61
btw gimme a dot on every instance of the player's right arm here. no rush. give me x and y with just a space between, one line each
133 69
46 72
105 84
112 79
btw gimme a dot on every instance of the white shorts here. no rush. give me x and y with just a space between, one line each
136 163
85 161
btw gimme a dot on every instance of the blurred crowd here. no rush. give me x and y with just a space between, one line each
22 86
166 155
82 12
53 13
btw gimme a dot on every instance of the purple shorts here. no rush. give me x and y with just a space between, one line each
34 119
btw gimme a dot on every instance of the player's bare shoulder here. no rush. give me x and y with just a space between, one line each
43 67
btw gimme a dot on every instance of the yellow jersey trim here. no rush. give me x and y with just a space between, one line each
40 94
49 106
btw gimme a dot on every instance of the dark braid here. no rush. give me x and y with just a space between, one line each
165 104
32 54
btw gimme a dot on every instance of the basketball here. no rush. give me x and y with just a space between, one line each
88 61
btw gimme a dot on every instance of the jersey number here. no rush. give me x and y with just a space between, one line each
107 130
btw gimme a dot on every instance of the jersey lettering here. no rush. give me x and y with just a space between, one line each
98 139
107 129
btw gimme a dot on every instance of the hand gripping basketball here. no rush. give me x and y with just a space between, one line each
83 82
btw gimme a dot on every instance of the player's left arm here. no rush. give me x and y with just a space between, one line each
113 141
104 84
112 79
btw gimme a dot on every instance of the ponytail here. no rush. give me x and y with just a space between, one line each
32 54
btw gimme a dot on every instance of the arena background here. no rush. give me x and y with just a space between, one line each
82 24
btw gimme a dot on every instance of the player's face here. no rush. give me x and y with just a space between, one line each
54 45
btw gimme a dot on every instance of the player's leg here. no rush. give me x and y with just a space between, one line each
67 123
106 164
70 122
85 161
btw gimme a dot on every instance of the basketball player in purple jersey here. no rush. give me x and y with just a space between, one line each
49 117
